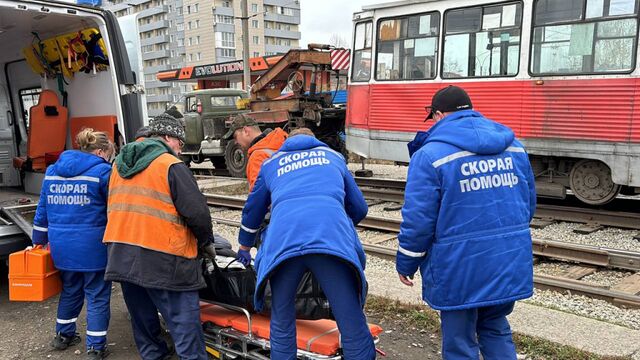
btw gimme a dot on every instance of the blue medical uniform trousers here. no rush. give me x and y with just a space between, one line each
76 286
181 312
340 283
467 332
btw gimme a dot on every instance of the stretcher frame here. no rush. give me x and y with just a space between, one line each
215 337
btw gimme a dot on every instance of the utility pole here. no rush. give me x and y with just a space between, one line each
245 44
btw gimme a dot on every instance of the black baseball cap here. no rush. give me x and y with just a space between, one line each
449 99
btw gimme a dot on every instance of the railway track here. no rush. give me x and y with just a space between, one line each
392 190
588 257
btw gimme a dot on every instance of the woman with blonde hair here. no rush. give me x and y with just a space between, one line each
71 218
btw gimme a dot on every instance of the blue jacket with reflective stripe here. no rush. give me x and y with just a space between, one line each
72 211
315 205
469 198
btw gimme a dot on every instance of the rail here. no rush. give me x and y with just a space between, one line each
392 190
591 255
588 255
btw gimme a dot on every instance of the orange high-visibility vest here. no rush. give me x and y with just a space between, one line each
141 211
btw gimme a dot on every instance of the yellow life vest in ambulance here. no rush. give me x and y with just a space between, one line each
141 211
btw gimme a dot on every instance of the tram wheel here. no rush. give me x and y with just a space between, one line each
591 182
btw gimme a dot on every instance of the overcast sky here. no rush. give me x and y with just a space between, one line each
321 18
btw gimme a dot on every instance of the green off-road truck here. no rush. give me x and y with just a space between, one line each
205 115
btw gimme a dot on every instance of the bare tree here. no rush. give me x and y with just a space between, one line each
338 41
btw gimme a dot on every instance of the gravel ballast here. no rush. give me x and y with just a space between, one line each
608 238
381 274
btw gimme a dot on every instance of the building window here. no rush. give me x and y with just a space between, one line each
179 8
190 41
180 42
180 27
198 40
199 56
407 47
195 8
189 25
254 8
172 38
226 4
256 40
197 24
362 52
482 41
225 39
571 38
254 24
284 11
224 19
190 57
256 54
188 9
230 53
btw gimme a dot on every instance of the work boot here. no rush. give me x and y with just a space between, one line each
94 354
62 342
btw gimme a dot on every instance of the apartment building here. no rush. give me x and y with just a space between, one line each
161 26
213 30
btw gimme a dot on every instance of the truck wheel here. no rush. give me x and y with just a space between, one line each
218 162
236 159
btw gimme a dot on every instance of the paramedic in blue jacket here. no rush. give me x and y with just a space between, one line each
315 205
71 218
469 198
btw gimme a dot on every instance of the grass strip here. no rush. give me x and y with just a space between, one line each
425 318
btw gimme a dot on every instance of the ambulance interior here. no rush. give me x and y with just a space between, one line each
57 76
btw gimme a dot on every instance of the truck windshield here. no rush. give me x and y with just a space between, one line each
224 100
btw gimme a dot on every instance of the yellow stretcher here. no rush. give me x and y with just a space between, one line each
65 54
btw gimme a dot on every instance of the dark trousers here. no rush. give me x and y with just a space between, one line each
339 282
181 312
466 333
76 286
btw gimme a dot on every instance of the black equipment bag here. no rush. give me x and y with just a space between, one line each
311 302
237 287
229 286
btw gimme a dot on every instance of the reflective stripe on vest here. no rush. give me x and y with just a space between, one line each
141 211
268 151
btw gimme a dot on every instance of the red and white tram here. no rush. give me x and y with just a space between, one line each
563 74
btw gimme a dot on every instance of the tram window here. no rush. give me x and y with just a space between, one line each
408 47
553 11
482 41
362 52
602 40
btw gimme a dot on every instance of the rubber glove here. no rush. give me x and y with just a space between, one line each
244 256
